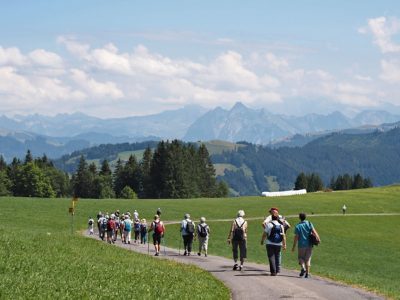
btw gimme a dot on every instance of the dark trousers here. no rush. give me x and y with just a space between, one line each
188 242
242 247
273 253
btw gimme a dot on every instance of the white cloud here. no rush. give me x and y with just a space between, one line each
12 57
382 30
46 58
95 88
78 49
390 71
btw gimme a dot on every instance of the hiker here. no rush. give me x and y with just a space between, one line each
302 237
238 238
135 215
90 226
99 215
117 227
344 209
102 227
110 229
127 229
143 231
121 227
187 231
157 226
274 236
281 219
136 229
203 233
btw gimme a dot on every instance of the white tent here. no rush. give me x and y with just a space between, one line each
284 193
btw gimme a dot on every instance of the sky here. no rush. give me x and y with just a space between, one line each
125 58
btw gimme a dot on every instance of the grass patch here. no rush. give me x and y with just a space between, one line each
40 259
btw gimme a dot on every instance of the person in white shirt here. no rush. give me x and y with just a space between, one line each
203 233
187 231
274 235
238 238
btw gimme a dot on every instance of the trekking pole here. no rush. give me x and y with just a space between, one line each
180 241
148 243
164 246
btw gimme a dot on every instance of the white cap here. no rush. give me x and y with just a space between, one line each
240 213
202 220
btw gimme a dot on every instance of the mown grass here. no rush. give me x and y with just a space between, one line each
360 250
40 259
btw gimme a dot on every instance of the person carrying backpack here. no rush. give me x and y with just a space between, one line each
102 223
158 228
111 229
274 235
302 232
136 228
203 233
238 238
187 231
143 231
127 229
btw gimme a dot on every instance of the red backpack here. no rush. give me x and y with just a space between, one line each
158 229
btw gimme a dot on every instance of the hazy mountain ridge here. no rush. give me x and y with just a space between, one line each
64 133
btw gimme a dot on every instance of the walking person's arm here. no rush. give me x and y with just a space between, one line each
264 236
283 239
296 238
316 234
231 232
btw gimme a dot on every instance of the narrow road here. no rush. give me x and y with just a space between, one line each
254 281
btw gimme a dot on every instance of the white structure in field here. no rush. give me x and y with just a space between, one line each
284 193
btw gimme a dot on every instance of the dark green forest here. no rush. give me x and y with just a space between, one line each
173 170
374 155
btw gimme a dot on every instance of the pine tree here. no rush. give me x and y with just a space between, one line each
118 178
145 180
301 182
358 182
83 183
28 157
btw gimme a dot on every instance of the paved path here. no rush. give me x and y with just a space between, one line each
254 281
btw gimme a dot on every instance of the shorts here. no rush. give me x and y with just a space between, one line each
304 255
156 239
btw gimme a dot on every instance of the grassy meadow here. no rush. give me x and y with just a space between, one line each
38 252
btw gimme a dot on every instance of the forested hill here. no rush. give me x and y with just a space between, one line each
110 152
253 169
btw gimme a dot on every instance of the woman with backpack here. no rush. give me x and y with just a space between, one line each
274 235
203 233
157 226
143 231
187 231
238 238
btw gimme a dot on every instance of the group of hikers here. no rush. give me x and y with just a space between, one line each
274 227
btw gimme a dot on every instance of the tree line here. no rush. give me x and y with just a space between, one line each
313 182
172 170
33 178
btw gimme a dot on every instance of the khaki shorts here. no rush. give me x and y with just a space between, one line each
304 255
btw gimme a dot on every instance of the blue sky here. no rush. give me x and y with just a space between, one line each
120 58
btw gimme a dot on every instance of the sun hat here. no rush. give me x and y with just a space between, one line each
202 220
241 213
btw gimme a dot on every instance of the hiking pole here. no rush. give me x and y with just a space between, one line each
148 245
180 241
164 245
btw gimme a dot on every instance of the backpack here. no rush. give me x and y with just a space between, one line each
143 228
203 231
313 238
158 230
238 232
275 236
127 226
104 223
137 226
90 222
190 227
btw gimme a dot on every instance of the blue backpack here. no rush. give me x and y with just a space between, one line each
127 226
275 236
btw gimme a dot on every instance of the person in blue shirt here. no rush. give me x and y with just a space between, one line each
302 237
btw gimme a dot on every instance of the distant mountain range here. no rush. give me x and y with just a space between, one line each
64 133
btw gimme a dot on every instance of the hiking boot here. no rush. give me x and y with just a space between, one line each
240 268
205 255
235 267
307 276
157 254
185 253
188 254
273 274
302 272
198 253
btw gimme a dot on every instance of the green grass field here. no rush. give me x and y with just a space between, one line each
359 250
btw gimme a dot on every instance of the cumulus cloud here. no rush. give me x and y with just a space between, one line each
45 58
95 88
390 70
383 30
12 57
